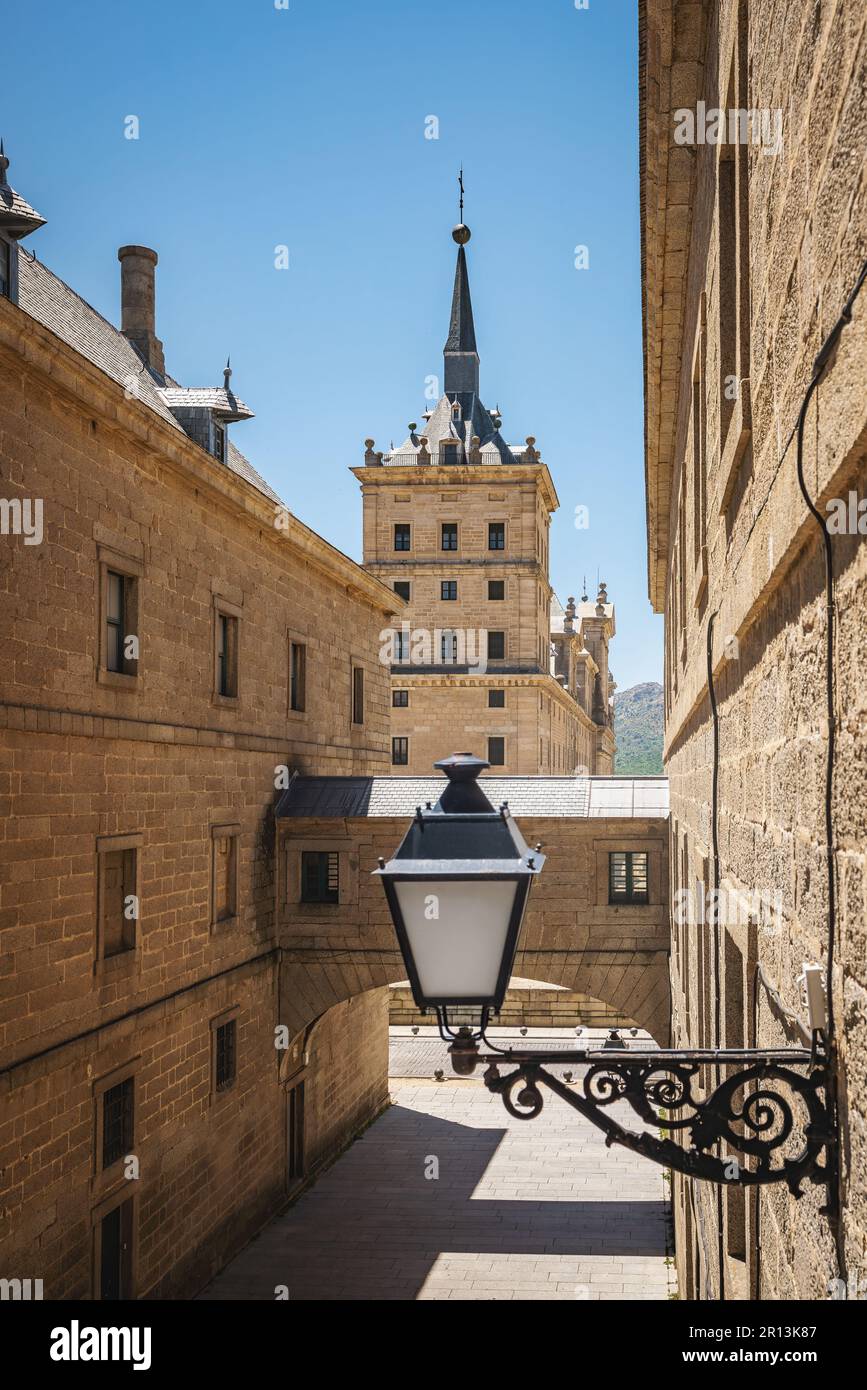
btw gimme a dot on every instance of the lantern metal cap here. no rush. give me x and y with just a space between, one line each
463 795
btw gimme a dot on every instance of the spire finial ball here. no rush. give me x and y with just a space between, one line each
461 234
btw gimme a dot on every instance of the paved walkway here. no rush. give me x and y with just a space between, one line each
524 1210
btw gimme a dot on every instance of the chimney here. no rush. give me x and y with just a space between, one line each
137 303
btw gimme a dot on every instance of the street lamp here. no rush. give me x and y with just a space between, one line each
457 888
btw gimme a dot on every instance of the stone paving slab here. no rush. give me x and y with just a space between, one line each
520 1210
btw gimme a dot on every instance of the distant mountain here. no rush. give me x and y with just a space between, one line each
638 718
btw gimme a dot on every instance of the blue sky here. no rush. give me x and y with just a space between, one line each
305 127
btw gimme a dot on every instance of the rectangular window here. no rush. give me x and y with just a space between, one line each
295 1122
115 1253
496 699
119 608
297 676
496 589
449 535
497 752
448 647
401 646
117 1122
5 268
496 645
358 694
227 655
224 873
400 699
400 752
401 535
401 588
320 876
496 535
627 877
225 1062
118 902
448 589
219 442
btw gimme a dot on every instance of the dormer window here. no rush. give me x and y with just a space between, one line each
219 441
450 450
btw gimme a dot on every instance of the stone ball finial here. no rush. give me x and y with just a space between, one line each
412 426
369 443
461 234
531 440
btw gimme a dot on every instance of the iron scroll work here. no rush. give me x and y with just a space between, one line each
755 1116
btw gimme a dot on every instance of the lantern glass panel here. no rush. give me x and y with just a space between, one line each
457 932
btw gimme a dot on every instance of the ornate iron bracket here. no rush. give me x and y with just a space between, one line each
779 1126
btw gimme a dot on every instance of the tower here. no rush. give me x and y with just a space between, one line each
457 521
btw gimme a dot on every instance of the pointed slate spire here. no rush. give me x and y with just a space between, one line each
461 357
17 218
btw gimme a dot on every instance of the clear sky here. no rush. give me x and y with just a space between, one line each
304 127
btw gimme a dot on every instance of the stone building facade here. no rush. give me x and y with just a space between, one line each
610 954
173 642
751 246
457 521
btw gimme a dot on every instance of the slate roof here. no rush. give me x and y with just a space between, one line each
17 212
475 420
55 305
582 797
215 398
462 331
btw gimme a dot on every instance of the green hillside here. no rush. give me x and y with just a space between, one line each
638 719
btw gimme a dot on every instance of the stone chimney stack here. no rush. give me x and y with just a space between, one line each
138 303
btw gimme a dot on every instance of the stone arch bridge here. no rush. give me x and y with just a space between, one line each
572 935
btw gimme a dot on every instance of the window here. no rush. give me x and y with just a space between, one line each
297 676
497 752
120 640
118 900
496 535
400 752
295 1124
401 646
496 645
115 1252
226 655
225 1062
224 873
496 699
219 441
358 694
401 587
401 535
496 589
627 877
449 450
448 647
448 589
734 281
400 699
5 268
449 535
117 1121
320 876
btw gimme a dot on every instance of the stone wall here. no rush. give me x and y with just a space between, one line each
528 1004
155 760
571 936
749 255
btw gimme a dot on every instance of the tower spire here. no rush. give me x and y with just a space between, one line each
461 357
